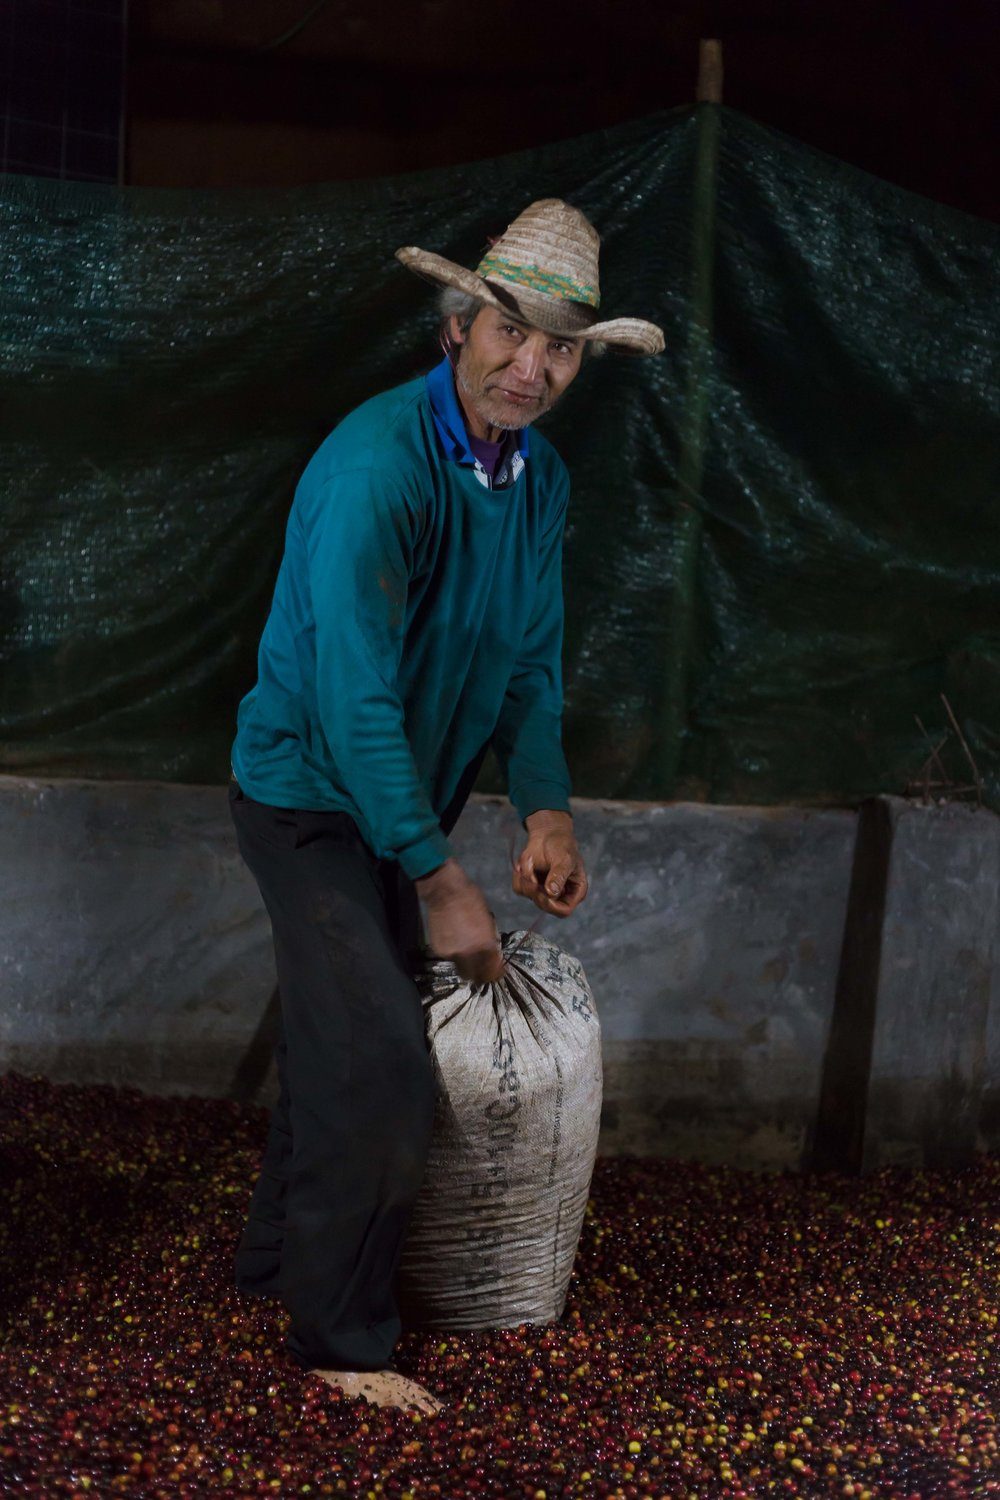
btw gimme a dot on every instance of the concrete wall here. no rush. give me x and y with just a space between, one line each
134 949
931 1080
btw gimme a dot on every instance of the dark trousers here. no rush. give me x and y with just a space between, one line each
350 1133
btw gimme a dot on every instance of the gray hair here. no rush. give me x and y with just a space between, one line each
454 303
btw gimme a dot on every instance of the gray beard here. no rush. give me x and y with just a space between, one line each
500 426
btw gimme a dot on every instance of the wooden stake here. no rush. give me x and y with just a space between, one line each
838 1140
968 752
709 72
686 522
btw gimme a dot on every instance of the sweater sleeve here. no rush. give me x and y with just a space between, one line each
527 740
360 534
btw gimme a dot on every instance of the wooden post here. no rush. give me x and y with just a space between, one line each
673 721
838 1143
709 72
907 1056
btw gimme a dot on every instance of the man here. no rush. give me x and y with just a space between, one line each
417 619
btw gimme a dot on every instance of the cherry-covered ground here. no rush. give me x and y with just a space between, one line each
727 1334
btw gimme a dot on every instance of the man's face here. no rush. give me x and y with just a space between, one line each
508 372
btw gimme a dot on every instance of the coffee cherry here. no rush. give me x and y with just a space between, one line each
726 1334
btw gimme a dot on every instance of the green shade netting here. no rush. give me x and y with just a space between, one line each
784 533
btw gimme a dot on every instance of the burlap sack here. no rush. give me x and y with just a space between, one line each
518 1063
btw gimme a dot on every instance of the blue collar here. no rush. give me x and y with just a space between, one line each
448 419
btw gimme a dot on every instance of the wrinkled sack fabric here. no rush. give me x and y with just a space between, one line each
518 1064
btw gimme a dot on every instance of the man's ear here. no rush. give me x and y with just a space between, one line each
455 329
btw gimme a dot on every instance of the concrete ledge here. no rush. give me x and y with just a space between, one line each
937 970
134 949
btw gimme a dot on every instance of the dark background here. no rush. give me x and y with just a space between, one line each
905 90
183 351
61 76
222 93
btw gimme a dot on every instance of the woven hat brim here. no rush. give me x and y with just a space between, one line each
554 314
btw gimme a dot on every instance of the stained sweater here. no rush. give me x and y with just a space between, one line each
417 617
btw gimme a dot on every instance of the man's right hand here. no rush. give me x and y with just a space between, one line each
460 926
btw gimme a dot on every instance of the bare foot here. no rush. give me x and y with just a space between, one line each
382 1388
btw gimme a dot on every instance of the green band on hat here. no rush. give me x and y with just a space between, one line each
539 280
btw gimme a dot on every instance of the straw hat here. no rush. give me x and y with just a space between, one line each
543 270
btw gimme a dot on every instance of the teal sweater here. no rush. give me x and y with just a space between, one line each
417 617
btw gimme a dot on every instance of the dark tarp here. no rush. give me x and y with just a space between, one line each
784 534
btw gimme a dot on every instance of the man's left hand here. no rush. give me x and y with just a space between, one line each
550 869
